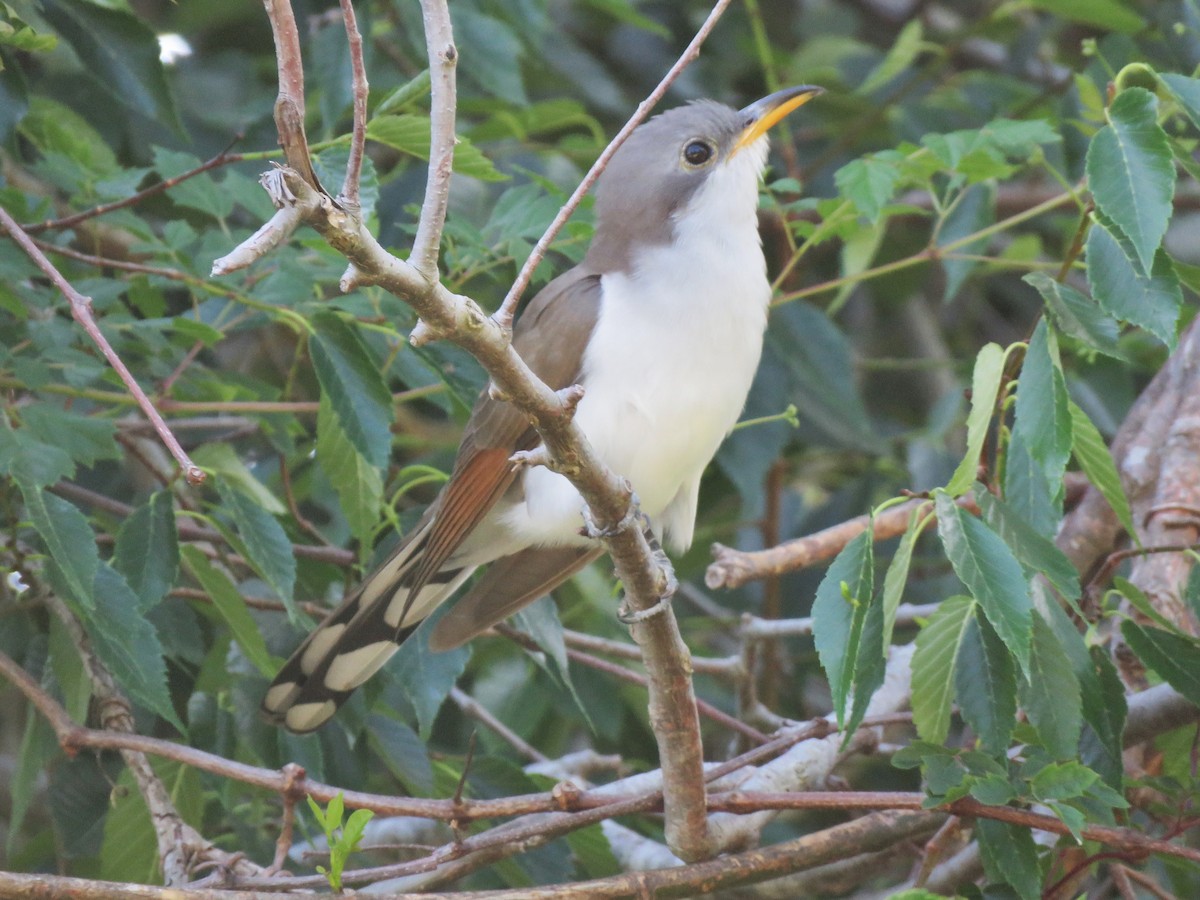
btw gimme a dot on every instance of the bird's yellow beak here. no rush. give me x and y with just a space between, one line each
762 114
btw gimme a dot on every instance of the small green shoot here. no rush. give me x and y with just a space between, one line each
342 840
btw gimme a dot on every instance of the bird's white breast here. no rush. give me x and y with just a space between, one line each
670 362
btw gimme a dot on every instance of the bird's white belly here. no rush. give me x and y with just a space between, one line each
665 378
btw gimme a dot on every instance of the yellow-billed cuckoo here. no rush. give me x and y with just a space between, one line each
661 324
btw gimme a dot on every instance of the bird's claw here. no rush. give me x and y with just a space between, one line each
627 616
632 515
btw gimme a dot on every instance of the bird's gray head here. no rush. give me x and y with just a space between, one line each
651 180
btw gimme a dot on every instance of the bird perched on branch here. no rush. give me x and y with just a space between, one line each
661 325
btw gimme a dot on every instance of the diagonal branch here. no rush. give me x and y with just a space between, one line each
81 310
508 309
349 195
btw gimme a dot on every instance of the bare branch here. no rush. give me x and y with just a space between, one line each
443 59
476 710
348 196
289 105
508 309
81 310
276 230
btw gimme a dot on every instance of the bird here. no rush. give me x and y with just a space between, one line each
662 327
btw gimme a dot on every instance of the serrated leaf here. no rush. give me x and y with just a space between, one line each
1010 857
1150 299
1097 463
1131 173
30 462
1104 712
1174 657
410 133
973 211
1027 491
994 790
85 439
351 380
427 677
540 621
1077 316
1062 781
870 663
985 685
1042 414
268 549
1035 551
896 576
1050 693
838 612
933 666
146 552
128 644
985 386
1137 598
358 484
69 543
870 182
232 608
991 573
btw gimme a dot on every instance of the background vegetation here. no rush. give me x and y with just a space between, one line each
985 248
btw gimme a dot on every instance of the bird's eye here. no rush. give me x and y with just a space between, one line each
697 153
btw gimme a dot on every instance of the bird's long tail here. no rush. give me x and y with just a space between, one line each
358 637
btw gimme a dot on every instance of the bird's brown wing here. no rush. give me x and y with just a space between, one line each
358 637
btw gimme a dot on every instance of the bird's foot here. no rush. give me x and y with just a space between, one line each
626 616
633 515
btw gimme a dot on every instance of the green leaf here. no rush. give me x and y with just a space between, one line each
30 462
1137 598
410 133
403 752
1050 694
85 439
540 621
1097 463
870 182
267 546
1174 657
120 52
1131 172
427 677
127 643
838 613
1186 91
933 667
1027 491
1104 712
416 88
592 851
147 550
351 380
1150 300
1042 416
69 543
896 576
1036 552
1077 316
54 128
222 461
985 386
359 485
1062 781
1010 856
991 573
899 58
973 211
985 685
1111 15
232 608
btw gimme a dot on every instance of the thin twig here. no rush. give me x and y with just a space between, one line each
349 195
81 309
508 309
481 714
223 158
